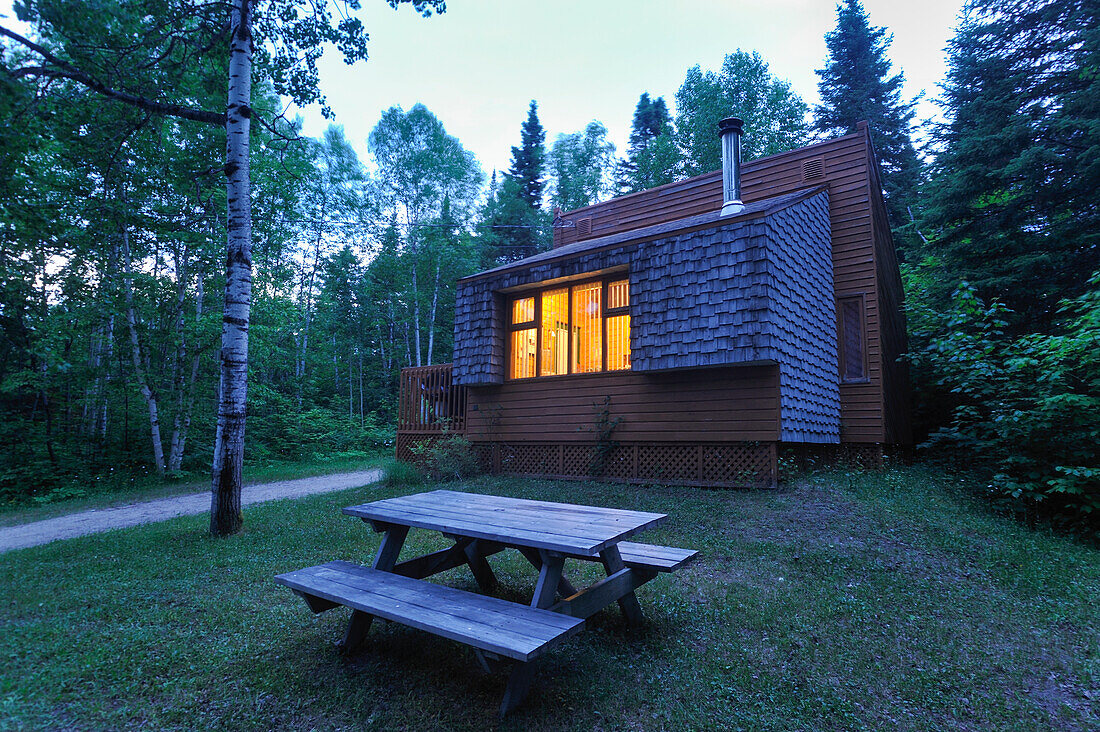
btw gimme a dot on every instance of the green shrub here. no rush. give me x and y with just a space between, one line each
1026 407
448 458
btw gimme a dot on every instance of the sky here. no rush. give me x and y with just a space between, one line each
478 65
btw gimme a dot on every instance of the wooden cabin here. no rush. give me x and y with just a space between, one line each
661 341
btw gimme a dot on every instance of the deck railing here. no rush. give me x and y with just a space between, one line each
429 402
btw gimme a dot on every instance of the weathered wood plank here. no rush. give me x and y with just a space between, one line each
585 530
487 623
652 556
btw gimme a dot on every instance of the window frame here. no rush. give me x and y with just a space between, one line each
605 314
860 299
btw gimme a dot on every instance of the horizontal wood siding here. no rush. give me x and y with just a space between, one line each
848 177
727 404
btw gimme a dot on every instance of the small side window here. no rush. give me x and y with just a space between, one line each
853 351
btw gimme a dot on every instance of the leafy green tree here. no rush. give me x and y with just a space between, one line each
421 171
774 115
581 166
652 157
159 58
856 85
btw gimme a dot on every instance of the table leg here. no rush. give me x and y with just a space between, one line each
550 566
385 560
628 603
565 587
483 573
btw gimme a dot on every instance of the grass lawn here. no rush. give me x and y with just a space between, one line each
846 601
152 488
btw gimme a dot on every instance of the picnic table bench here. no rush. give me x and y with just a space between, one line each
481 526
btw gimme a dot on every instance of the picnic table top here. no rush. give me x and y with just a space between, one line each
561 527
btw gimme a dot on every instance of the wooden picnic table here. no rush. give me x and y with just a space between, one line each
480 526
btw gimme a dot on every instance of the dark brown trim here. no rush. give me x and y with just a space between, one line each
536 291
842 363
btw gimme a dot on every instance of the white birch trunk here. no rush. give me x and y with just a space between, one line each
431 317
225 492
140 367
185 397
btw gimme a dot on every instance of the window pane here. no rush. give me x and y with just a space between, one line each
555 332
523 354
851 316
523 310
618 294
587 343
618 342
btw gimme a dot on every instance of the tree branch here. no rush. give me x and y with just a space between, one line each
66 70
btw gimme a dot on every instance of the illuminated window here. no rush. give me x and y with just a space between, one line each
523 341
587 327
576 329
555 333
618 325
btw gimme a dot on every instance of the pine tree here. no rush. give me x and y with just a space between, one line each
652 157
528 159
856 85
1012 203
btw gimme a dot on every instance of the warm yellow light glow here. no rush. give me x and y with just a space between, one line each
523 310
618 294
587 343
618 342
523 354
555 333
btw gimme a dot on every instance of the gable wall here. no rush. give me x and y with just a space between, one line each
847 173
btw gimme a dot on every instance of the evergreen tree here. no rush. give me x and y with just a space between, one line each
1012 204
774 116
856 85
652 157
528 159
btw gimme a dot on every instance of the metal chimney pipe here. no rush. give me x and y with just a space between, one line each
729 130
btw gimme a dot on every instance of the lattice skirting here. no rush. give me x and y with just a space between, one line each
724 464
729 464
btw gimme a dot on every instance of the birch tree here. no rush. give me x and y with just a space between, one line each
419 167
164 57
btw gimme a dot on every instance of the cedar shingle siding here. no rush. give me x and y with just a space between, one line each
705 292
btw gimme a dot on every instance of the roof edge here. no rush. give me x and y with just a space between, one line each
754 210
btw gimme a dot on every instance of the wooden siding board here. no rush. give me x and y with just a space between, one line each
739 403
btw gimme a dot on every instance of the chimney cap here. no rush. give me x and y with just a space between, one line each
731 124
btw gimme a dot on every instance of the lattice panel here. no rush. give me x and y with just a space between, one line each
484 454
668 462
529 459
406 442
737 464
620 463
576 459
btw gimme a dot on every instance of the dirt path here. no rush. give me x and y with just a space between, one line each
119 517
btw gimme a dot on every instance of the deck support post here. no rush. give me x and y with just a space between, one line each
385 560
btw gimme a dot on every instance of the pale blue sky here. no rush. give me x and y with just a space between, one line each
479 64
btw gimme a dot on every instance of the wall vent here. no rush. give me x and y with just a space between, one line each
584 227
813 169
